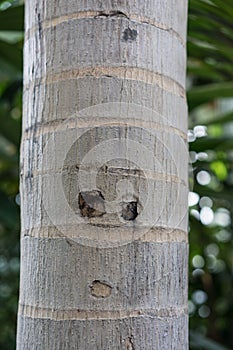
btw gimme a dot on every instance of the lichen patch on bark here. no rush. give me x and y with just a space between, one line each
130 35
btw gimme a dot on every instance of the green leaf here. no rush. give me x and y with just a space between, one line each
11 54
8 211
11 37
206 93
12 18
205 70
8 72
198 341
10 128
220 169
222 194
221 119
209 143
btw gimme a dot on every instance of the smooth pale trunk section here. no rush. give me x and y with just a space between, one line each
104 112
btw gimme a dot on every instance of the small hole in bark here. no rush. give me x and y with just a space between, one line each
91 204
130 35
129 211
100 289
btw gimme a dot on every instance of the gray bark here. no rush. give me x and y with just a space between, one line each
104 176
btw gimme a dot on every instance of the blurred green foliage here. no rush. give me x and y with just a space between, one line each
11 43
210 96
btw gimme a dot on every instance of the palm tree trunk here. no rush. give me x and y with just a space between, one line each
104 176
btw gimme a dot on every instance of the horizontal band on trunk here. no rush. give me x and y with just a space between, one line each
124 73
145 174
63 315
76 122
53 22
154 234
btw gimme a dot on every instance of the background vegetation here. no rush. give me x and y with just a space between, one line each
210 96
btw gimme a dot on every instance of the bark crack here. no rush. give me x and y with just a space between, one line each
129 343
112 14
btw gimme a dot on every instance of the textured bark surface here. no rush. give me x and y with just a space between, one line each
104 176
